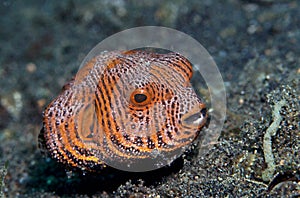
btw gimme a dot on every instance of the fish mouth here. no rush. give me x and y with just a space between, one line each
195 118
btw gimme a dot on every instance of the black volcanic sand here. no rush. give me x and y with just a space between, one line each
256 45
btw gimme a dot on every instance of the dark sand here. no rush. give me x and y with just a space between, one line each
256 45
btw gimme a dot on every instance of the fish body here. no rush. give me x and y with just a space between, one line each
124 108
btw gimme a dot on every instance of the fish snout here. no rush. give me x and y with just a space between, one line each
195 118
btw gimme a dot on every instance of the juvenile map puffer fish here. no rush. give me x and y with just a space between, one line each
124 107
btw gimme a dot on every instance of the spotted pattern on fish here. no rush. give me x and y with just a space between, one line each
120 106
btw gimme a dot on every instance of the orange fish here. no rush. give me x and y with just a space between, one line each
123 107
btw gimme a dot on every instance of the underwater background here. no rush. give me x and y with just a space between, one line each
256 45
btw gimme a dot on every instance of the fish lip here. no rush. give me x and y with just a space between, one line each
195 118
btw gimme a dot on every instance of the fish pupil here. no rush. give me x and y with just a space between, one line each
140 98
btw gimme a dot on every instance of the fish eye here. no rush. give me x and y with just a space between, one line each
140 97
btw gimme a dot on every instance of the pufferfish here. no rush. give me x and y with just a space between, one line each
126 109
